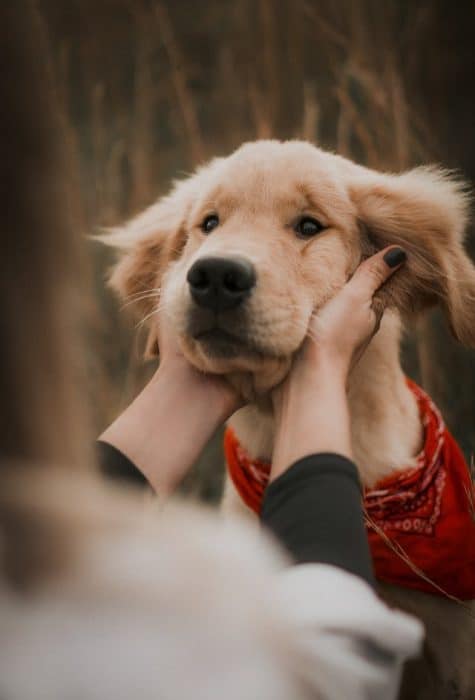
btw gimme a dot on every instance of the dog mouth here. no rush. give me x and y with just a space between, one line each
220 343
221 335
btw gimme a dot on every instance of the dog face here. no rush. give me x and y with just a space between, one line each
247 248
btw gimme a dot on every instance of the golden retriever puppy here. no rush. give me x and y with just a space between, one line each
239 256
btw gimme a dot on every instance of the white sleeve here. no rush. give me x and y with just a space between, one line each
347 643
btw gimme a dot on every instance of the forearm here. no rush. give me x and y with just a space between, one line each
315 511
313 504
166 427
312 417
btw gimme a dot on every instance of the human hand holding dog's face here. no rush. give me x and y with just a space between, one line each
165 428
214 389
341 331
311 406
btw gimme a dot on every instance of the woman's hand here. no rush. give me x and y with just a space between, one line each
214 390
341 331
165 428
310 405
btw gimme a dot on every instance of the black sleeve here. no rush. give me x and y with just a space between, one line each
315 511
114 463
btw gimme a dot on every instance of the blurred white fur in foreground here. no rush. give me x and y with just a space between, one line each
188 606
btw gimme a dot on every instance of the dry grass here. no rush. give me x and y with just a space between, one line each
152 88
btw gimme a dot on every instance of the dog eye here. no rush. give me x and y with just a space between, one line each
210 223
307 227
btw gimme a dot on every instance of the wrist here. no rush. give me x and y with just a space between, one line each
207 392
165 428
311 416
327 369
309 385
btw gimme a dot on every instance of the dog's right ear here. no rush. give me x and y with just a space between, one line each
147 245
425 211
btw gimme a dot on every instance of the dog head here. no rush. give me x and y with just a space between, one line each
241 253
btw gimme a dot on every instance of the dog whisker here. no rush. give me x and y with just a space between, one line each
154 290
158 309
137 300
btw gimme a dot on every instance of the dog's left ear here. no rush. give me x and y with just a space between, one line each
425 211
148 244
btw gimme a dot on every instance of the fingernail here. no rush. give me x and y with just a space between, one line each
395 257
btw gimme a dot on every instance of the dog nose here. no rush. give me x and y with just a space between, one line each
221 283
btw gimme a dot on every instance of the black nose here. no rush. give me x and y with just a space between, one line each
221 283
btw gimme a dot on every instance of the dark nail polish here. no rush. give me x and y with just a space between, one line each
395 257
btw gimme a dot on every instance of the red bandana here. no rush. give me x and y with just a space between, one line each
425 512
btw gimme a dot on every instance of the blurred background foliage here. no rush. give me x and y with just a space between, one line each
151 88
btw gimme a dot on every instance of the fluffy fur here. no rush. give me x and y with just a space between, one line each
259 192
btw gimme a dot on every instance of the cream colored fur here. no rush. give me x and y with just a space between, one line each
258 192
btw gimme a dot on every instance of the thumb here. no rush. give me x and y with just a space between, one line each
373 272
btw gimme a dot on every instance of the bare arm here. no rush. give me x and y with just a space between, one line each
311 405
166 427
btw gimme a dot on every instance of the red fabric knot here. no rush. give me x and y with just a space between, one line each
424 510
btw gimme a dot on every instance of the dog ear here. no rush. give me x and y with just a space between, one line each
425 211
147 245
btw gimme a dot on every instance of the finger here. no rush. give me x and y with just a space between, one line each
373 272
360 351
378 314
